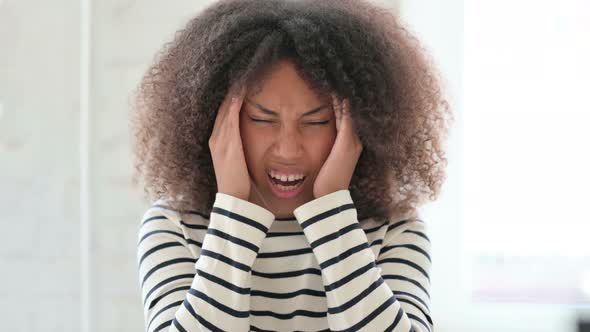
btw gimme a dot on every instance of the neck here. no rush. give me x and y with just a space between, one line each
256 198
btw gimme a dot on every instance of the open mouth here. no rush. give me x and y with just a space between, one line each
285 185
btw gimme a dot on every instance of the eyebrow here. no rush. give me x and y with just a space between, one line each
271 112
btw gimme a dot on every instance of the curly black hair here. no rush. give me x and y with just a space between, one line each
352 48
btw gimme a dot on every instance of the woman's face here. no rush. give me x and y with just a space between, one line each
292 140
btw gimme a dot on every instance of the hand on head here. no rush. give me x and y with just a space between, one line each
225 143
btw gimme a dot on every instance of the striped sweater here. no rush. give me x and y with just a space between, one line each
243 270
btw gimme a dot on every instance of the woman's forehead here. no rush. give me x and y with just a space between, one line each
270 99
319 109
282 81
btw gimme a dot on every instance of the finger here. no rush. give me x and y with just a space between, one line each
346 124
231 102
345 107
337 105
230 99
234 111
347 115
222 111
337 111
347 121
238 100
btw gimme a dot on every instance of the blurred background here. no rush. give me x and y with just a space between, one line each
509 233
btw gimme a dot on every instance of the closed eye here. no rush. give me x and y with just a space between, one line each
312 123
258 120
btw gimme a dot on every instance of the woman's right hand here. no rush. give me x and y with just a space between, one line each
225 144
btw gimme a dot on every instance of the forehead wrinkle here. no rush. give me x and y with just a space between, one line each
274 113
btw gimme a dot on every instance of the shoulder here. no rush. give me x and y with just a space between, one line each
161 211
408 239
411 225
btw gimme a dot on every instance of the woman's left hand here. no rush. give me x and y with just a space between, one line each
337 170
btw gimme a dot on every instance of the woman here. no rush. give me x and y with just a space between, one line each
285 147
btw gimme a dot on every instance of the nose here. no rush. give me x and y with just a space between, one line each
288 144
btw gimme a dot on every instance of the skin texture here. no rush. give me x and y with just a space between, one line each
293 140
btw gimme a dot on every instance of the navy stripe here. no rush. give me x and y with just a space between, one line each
374 229
356 299
224 283
376 242
178 326
285 253
257 329
196 243
277 234
349 277
417 233
285 219
405 262
225 259
157 299
416 318
159 232
233 239
400 293
344 255
159 247
396 225
165 281
409 246
391 226
374 314
398 277
165 325
193 226
171 305
198 317
288 274
304 313
218 305
335 235
240 218
305 291
167 263
396 321
166 207
145 221
326 214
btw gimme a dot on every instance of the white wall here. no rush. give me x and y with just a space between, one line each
39 177
41 51
439 25
523 57
125 37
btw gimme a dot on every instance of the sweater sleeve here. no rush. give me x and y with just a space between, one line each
212 292
364 292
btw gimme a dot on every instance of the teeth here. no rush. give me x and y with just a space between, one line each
287 188
291 177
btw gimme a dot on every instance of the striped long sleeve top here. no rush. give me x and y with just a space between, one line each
243 270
